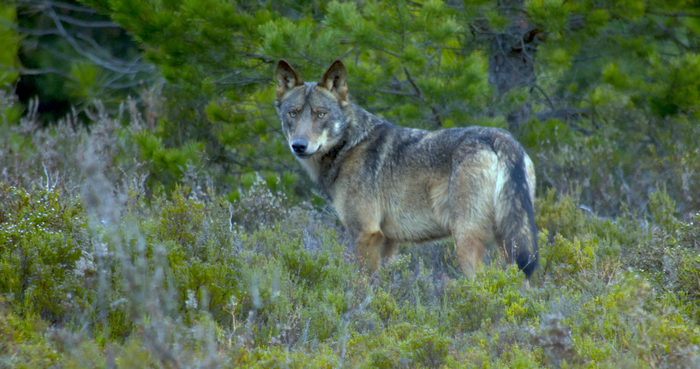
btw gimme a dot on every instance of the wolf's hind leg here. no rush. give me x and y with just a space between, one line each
470 252
472 185
389 250
369 246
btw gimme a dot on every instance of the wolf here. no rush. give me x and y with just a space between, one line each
392 184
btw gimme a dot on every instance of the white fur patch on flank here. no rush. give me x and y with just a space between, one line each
501 178
530 167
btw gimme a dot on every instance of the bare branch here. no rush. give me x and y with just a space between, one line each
673 36
32 72
549 101
398 93
75 8
264 58
562 114
130 69
27 31
88 24
118 86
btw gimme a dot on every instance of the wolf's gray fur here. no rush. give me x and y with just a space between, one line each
392 184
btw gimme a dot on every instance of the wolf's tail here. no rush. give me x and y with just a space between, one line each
515 215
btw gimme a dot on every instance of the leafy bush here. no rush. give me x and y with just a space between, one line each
45 252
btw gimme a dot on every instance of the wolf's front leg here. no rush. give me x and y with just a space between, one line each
368 248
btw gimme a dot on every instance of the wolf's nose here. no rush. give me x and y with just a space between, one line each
299 146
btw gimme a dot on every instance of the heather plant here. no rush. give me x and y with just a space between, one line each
45 252
173 282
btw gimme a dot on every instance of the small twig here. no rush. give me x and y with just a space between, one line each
48 177
27 31
348 53
32 72
230 218
303 55
118 86
549 101
673 36
419 93
398 93
388 52
261 57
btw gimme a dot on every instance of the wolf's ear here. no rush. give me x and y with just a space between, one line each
287 78
335 80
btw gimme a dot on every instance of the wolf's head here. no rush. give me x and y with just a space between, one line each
313 115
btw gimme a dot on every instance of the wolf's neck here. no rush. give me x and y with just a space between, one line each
361 125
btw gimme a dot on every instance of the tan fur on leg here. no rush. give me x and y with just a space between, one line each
368 248
470 254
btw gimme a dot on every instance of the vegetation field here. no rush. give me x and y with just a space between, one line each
151 214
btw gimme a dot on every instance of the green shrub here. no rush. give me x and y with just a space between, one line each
22 344
167 165
181 221
494 297
425 348
629 318
670 261
45 263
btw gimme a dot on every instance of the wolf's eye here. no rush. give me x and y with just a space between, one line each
293 114
321 114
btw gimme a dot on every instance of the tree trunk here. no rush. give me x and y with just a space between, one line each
512 58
